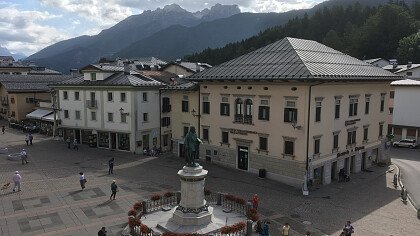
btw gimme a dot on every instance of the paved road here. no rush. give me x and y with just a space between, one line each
51 202
409 162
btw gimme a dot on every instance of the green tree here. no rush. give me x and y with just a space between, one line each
409 49
332 39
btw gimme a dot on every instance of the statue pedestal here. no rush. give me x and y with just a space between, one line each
192 210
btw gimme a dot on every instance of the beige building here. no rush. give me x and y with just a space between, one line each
21 94
291 107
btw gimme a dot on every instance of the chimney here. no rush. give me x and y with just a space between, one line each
74 73
409 64
127 67
197 67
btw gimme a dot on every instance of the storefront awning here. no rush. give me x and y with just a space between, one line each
49 117
38 114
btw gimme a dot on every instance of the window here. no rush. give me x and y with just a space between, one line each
337 109
225 137
93 115
65 95
365 133
317 143
110 117
185 107
12 100
145 117
391 110
239 113
186 128
289 147
123 118
351 137
166 105
165 140
206 105
30 100
318 112
144 97
409 73
66 114
263 143
224 109
13 114
391 94
381 127
290 112
264 111
206 134
92 97
335 142
76 96
92 76
248 111
166 121
367 103
353 107
123 97
77 115
110 97
382 102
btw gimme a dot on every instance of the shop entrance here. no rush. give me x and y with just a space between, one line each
318 176
334 171
181 150
364 161
113 140
77 135
242 158
347 165
352 164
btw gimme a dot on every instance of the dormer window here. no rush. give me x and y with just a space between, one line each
92 76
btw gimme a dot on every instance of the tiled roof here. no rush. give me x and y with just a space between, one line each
294 59
148 61
182 86
406 82
162 76
44 71
104 67
117 79
370 61
30 82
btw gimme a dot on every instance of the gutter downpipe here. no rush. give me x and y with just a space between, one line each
307 139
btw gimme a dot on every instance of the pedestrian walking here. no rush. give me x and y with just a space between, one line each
111 166
27 139
114 189
255 201
30 139
75 145
17 179
286 230
348 229
102 232
82 180
2 129
68 141
266 228
24 156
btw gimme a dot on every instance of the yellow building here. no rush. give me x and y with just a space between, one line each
292 107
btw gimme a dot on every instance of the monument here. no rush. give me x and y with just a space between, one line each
192 209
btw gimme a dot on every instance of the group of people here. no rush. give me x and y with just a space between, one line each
28 139
74 142
155 151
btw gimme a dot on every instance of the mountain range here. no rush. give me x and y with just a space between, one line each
169 33
17 56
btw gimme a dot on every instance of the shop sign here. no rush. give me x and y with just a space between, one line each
351 150
241 132
351 122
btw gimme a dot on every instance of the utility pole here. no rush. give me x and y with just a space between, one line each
55 109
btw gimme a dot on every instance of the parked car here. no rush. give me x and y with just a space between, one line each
410 143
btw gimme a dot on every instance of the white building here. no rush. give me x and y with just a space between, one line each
379 62
110 107
406 122
411 71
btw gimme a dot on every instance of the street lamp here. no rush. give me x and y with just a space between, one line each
295 126
193 112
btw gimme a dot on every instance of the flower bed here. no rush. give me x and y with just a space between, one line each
233 229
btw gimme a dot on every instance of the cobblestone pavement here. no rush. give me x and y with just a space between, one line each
51 202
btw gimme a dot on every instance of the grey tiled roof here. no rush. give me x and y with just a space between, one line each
44 71
294 59
370 61
104 67
30 82
182 86
117 79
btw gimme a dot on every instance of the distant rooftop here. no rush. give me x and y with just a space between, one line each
30 82
400 68
295 59
406 82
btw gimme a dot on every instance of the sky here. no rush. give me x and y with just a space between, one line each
27 26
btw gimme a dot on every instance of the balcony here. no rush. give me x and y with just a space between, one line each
5 103
248 119
239 118
244 119
92 104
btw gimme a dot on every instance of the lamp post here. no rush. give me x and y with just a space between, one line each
55 109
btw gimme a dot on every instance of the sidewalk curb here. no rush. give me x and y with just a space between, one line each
408 194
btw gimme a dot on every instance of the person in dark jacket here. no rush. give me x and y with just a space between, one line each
102 232
114 189
111 166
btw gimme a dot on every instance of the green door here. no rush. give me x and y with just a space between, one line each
242 158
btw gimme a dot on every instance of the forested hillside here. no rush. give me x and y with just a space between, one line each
388 31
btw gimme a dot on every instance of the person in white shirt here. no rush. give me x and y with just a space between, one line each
17 179
82 180
24 156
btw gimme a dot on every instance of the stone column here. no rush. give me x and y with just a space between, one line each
192 210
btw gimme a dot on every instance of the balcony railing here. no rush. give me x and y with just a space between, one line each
244 119
92 104
239 118
248 119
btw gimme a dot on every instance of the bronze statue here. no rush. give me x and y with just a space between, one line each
191 147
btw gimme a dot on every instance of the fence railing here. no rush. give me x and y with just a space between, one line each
151 206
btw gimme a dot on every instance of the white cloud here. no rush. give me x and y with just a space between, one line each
23 31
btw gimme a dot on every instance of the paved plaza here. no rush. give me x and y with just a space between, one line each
52 203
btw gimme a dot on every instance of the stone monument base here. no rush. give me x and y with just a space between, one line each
182 218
